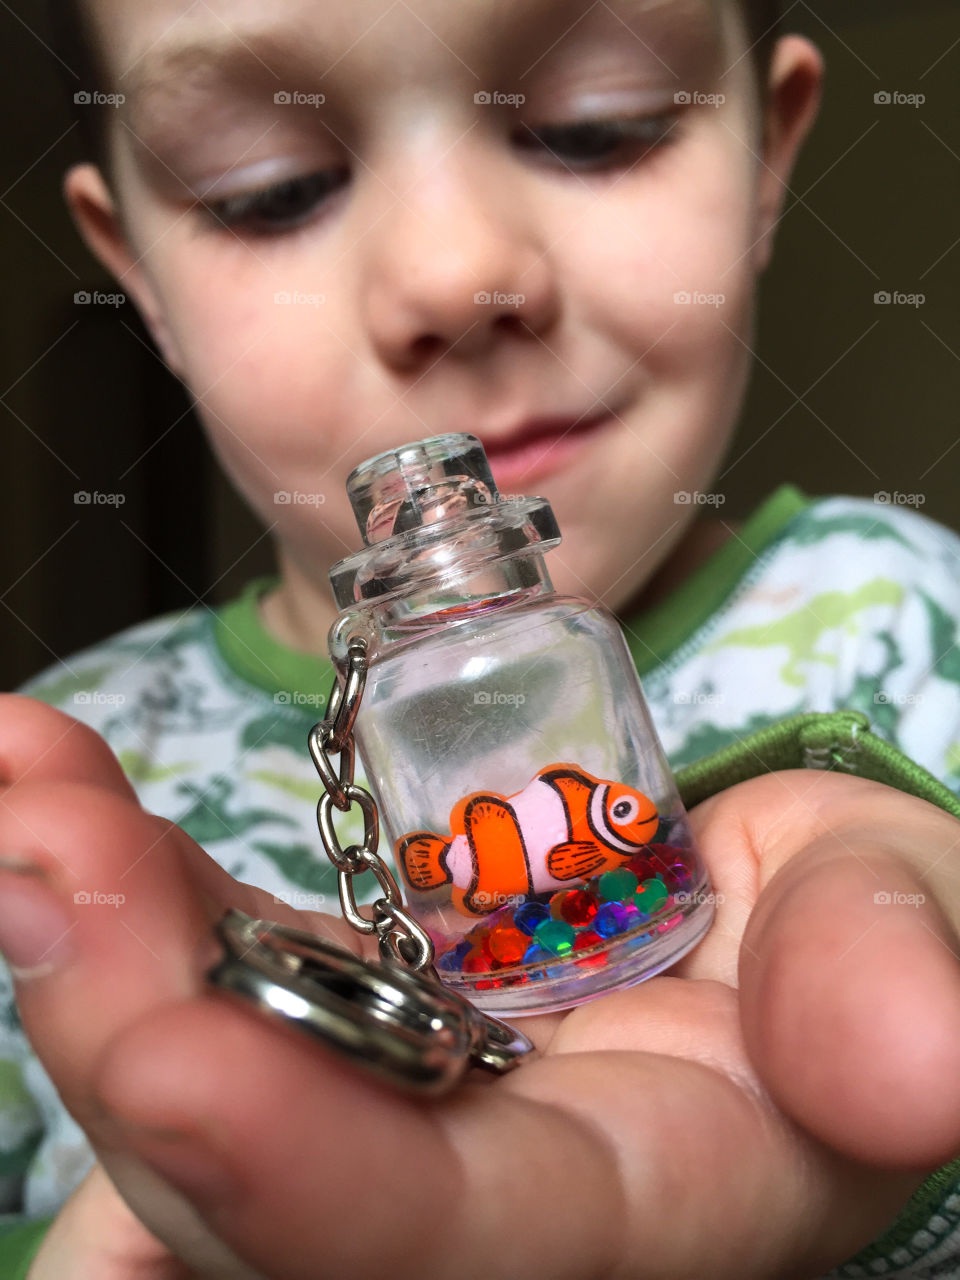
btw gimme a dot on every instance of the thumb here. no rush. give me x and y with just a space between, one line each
850 1002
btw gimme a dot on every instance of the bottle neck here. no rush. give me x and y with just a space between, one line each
441 603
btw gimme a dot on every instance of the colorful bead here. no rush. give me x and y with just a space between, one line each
452 962
662 856
678 876
578 908
507 944
644 867
556 936
584 942
529 916
573 924
617 884
640 939
651 896
611 919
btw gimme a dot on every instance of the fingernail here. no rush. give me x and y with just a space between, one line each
34 925
183 1159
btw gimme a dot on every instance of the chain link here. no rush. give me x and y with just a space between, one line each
402 939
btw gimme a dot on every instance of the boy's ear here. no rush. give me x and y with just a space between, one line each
793 94
95 213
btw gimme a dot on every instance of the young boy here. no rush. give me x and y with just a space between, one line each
306 202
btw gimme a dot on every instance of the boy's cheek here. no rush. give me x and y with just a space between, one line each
268 366
305 507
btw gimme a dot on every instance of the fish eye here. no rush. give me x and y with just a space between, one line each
624 810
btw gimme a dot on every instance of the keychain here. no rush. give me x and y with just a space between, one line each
532 815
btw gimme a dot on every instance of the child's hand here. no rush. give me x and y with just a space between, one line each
96 1236
763 1112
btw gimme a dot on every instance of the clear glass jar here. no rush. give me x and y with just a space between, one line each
535 824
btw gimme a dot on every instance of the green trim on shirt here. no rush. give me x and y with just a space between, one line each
654 635
19 1245
255 655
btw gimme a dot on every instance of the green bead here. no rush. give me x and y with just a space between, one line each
651 895
617 885
555 935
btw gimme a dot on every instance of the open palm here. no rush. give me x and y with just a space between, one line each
757 1111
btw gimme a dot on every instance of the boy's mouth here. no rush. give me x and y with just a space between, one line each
539 447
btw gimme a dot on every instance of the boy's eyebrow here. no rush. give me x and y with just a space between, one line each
169 68
196 62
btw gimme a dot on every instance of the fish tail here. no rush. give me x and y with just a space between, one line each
420 857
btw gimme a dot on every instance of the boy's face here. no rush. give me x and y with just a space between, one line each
339 317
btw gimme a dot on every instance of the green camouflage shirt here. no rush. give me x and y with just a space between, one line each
812 605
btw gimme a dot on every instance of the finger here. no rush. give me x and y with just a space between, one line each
850 999
579 1164
121 923
39 743
127 908
749 831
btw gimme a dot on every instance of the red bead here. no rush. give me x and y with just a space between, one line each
578 908
643 868
584 941
507 944
662 855
670 924
477 962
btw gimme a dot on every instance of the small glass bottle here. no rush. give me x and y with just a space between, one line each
535 825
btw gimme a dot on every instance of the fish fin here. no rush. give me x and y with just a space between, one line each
564 769
575 860
420 857
500 869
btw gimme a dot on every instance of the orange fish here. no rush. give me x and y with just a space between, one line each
565 825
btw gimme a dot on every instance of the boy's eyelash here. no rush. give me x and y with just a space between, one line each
277 208
582 144
612 136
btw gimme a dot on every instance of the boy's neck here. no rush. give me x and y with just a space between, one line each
295 612
705 536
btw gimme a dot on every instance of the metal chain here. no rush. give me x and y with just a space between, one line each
402 940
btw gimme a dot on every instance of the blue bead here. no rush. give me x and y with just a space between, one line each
529 916
611 919
534 953
452 962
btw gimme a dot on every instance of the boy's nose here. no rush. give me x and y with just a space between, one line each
455 267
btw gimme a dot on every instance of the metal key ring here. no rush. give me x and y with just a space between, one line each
403 1026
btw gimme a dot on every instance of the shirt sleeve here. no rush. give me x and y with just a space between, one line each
910 693
20 1243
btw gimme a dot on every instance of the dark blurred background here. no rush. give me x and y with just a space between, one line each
848 396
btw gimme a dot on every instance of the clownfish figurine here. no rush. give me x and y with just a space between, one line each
563 826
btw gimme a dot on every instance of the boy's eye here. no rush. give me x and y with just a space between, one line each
280 207
594 143
584 145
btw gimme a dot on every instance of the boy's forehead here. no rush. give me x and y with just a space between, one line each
151 41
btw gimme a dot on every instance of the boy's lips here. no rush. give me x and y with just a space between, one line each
539 447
